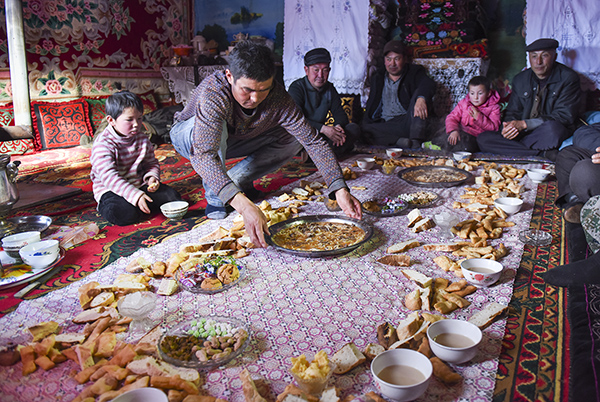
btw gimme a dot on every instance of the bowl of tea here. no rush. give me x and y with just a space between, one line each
481 272
402 374
454 341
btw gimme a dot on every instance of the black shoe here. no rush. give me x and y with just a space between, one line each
404 143
572 214
550 154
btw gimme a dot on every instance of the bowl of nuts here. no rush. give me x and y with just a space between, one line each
205 342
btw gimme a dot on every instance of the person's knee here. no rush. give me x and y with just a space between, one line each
584 179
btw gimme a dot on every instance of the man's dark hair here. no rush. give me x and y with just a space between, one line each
251 60
480 80
119 101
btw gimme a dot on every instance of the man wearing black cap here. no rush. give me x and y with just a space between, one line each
399 101
316 97
542 109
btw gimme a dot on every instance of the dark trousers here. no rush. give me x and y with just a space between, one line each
352 131
576 176
381 132
120 212
466 142
547 136
587 137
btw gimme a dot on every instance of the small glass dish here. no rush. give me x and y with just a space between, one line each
420 199
535 237
181 333
192 279
331 205
384 207
138 306
314 386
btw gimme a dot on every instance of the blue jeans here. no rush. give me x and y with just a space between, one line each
264 154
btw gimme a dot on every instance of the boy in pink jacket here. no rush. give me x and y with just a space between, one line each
479 111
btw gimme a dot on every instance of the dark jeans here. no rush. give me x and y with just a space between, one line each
352 131
381 132
576 175
547 136
587 137
120 212
466 142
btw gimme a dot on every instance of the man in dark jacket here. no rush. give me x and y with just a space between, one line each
316 96
542 109
399 101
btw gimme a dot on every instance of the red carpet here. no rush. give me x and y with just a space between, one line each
113 242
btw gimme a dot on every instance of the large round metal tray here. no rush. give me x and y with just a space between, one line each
31 223
320 218
435 169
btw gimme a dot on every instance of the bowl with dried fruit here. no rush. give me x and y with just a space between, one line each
209 274
205 342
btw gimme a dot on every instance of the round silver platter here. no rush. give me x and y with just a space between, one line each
276 228
432 170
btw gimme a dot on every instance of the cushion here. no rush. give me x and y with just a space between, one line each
97 107
7 115
60 124
16 147
149 101
347 105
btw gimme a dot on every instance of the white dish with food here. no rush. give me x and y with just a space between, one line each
481 272
462 156
394 152
147 394
13 243
41 254
366 163
454 341
510 205
402 374
538 175
174 210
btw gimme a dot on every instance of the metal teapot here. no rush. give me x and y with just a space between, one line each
9 194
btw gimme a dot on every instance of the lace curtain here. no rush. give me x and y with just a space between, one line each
574 23
341 27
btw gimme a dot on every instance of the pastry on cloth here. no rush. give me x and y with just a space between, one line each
211 283
228 273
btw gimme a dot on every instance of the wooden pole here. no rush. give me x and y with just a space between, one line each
18 62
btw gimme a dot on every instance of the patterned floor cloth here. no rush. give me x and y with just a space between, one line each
296 317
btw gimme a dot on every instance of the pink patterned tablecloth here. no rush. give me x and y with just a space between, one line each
295 305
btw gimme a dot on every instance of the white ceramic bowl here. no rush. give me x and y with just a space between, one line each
403 357
365 163
143 395
461 156
41 254
510 205
175 209
454 341
481 272
538 175
13 243
394 152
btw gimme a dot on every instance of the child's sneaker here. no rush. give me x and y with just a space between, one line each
430 145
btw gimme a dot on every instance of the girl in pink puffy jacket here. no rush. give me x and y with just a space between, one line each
479 111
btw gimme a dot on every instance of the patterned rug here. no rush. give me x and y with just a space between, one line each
113 242
534 363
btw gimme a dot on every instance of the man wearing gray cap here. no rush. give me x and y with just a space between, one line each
542 109
399 101
316 96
